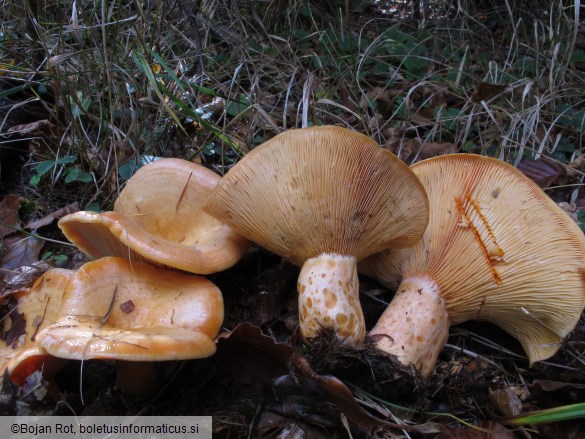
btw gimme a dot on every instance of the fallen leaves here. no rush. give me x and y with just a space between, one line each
9 219
251 356
542 171
20 251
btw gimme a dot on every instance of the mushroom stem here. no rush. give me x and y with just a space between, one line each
415 326
329 298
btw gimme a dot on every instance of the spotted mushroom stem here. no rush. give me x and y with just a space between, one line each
329 298
415 326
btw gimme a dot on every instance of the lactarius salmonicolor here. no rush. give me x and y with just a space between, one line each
324 198
114 309
158 218
497 249
36 308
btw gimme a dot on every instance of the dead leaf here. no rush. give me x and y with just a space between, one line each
568 392
22 277
506 401
551 386
383 97
485 91
252 356
48 219
542 171
37 128
20 250
406 149
435 149
392 137
9 214
35 385
420 120
577 167
300 398
494 431
17 326
340 394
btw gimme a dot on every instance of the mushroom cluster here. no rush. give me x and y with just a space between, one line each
140 300
496 249
460 237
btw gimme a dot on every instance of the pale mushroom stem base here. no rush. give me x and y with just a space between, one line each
415 326
328 289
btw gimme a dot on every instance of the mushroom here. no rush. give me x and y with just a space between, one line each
324 198
121 310
158 218
37 307
497 249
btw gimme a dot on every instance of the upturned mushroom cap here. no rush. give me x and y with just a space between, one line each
158 218
39 307
322 190
330 196
497 249
121 310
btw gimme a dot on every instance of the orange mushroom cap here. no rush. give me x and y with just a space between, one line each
122 310
323 197
497 249
158 218
39 307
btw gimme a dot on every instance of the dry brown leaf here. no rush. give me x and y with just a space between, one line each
568 392
542 171
20 250
37 128
251 356
506 401
408 149
9 214
485 91
420 120
340 394
577 167
490 430
17 331
435 149
383 97
21 277
48 219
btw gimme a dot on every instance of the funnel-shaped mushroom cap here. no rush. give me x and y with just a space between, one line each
323 197
39 307
158 218
322 190
497 249
116 309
